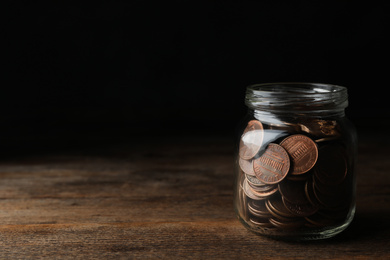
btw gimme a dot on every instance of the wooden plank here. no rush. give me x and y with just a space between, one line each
168 198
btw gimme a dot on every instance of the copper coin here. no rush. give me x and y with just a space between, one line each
242 202
300 210
329 200
273 165
264 223
276 205
309 191
332 190
327 139
320 127
248 192
319 220
246 166
336 190
286 216
300 177
290 225
263 188
264 194
293 191
303 152
331 167
259 209
251 140
254 181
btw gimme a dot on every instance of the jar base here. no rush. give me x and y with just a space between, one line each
301 235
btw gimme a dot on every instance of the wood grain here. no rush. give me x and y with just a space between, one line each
164 198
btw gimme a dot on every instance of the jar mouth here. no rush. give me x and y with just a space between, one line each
297 97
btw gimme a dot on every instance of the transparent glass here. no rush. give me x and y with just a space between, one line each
295 161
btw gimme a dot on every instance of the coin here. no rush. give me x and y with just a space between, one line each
300 177
276 205
251 140
262 188
303 152
258 209
319 220
293 191
290 225
329 200
320 127
248 191
264 223
273 165
309 191
242 203
254 181
301 210
327 139
331 167
266 193
246 166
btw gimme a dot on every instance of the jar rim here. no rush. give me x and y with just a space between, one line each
297 97
306 88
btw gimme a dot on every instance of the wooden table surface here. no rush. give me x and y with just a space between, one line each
164 197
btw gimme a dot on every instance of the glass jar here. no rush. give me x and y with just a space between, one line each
295 160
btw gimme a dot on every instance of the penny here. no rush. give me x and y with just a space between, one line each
327 127
276 205
242 203
331 167
300 177
254 181
258 205
309 191
261 222
263 188
246 166
319 220
301 210
273 165
264 194
248 191
251 140
303 152
293 191
319 127
326 139
326 188
290 225
329 200
259 210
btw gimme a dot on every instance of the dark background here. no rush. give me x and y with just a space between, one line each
78 71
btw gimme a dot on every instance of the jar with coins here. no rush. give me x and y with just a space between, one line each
295 161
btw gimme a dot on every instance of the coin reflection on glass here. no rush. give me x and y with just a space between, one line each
251 140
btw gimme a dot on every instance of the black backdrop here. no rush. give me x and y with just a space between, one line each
179 67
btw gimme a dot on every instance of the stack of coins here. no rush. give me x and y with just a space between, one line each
296 180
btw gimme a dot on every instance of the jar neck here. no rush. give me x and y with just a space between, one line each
296 100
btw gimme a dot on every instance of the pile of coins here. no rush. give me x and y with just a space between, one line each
290 180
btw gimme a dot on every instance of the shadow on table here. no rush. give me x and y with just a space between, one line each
368 225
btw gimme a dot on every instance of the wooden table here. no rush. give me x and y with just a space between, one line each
164 197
